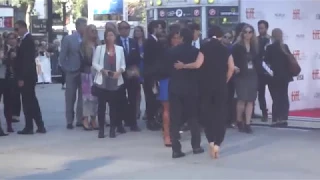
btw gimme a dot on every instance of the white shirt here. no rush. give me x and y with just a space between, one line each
154 37
24 36
196 43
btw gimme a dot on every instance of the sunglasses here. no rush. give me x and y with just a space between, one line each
94 30
247 32
227 37
16 29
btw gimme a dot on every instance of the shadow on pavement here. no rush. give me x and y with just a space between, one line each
72 170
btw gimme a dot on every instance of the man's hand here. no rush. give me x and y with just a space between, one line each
179 65
20 83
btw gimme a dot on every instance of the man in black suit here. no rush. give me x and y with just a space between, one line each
131 84
26 74
153 53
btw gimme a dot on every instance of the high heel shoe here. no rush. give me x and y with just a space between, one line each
94 126
86 128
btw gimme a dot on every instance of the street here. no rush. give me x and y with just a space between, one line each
268 153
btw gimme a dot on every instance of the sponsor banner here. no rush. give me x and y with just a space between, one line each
303 41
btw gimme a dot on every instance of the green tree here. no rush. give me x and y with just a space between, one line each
27 6
75 8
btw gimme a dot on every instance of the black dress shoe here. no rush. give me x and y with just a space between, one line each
69 126
41 130
198 150
112 132
121 130
178 154
26 132
78 124
101 135
135 129
2 133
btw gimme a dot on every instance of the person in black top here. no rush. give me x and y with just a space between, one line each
26 74
131 84
153 53
277 55
248 63
183 93
215 64
264 77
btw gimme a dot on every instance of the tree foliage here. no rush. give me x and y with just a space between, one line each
75 8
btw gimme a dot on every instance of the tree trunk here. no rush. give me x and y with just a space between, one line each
29 10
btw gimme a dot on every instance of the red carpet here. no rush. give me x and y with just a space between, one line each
313 113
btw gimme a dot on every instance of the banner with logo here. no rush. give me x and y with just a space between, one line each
300 23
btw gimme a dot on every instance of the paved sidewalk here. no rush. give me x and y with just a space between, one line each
63 154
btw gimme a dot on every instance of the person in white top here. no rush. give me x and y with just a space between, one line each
195 28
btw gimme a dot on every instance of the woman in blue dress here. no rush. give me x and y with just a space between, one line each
174 39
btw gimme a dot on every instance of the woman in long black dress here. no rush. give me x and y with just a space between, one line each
245 53
215 64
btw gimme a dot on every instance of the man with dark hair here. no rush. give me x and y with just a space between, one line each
264 78
195 28
131 84
183 93
70 63
153 53
26 74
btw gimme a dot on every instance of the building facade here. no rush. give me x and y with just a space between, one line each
224 13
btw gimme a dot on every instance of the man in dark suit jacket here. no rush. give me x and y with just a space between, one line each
26 74
153 53
131 84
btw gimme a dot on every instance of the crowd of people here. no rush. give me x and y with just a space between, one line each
188 83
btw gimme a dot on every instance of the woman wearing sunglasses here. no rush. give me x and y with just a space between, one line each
245 53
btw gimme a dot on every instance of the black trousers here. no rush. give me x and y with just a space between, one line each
6 87
152 104
184 106
213 115
280 105
31 106
16 100
262 83
131 90
113 99
231 104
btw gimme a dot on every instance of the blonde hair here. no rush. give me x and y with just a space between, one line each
86 45
253 41
277 35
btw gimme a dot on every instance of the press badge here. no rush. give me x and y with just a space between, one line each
250 66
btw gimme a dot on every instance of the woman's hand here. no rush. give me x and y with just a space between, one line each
236 69
116 75
104 72
13 54
179 65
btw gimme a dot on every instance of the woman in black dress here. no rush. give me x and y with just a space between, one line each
277 55
245 53
215 64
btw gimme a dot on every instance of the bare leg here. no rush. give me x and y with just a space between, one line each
166 123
